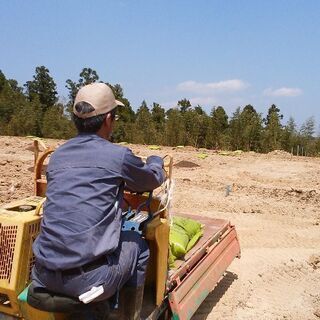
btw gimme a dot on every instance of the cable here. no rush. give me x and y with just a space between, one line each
166 198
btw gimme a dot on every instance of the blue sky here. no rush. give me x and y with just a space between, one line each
227 53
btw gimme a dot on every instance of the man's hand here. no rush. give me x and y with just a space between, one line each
140 176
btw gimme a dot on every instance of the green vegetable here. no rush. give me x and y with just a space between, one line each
171 259
153 147
190 226
184 233
178 240
194 240
202 155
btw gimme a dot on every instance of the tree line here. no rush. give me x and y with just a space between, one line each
34 109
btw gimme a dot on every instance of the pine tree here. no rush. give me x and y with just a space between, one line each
289 137
218 126
307 129
192 127
56 124
175 129
158 115
42 86
145 131
236 130
184 105
273 129
124 127
11 100
251 123
203 123
26 119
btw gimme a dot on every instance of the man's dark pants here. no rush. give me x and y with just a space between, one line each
125 266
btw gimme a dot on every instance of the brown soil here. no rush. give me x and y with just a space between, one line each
186 164
274 203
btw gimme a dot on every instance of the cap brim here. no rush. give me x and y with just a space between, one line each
119 103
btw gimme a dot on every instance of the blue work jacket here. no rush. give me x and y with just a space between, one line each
82 214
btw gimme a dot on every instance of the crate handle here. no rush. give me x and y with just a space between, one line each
39 206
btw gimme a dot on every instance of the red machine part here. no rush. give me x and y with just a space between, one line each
203 268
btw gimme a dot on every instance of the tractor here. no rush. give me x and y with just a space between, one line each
170 292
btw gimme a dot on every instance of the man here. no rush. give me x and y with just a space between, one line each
81 245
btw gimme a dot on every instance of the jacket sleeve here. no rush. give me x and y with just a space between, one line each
140 176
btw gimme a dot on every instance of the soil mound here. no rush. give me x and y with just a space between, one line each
186 164
281 153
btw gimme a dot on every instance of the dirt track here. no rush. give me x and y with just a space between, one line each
274 203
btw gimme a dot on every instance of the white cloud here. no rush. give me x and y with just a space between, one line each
212 87
203 101
169 104
208 93
283 92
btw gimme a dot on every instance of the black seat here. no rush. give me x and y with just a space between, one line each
45 300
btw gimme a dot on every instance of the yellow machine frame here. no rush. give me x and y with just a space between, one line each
18 229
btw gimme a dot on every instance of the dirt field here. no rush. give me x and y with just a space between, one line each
274 201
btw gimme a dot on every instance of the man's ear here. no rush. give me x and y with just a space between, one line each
108 118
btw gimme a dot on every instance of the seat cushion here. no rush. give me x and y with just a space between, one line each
42 299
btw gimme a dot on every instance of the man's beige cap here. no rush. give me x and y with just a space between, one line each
100 96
